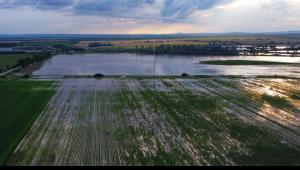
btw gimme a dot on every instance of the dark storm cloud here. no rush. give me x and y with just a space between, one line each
175 9
169 10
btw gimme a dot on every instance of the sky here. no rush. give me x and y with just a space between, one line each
147 16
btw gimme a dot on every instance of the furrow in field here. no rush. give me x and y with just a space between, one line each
235 94
212 114
37 141
214 121
287 116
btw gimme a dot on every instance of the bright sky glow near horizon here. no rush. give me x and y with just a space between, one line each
147 16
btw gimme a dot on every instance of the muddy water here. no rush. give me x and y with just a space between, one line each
132 64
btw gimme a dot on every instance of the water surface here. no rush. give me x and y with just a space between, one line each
133 64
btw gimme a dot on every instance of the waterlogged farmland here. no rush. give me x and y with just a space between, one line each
161 65
209 121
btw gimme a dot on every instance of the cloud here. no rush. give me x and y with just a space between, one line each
53 4
148 16
181 9
110 7
168 9
84 7
38 4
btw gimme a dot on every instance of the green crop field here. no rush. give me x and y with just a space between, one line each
11 59
208 121
21 102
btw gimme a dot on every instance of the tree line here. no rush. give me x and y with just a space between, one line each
8 44
189 49
38 57
176 49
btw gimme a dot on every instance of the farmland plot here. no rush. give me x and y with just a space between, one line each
11 60
217 121
21 102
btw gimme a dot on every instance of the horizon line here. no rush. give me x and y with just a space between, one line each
276 32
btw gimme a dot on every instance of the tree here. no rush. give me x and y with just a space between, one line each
98 75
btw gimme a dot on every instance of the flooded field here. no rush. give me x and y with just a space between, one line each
211 121
132 64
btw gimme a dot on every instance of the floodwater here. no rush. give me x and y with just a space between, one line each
134 64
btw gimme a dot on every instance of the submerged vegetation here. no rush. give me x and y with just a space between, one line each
276 101
296 95
208 121
21 102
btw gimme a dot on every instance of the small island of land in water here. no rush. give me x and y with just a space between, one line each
244 62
